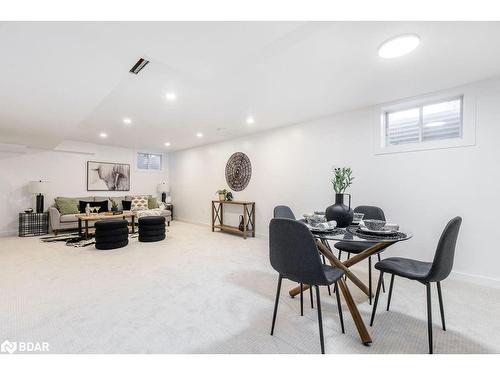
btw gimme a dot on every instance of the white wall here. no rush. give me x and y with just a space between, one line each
419 190
66 172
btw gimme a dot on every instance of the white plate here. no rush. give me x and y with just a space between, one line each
383 231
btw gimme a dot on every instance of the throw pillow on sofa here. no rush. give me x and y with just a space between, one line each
127 205
67 206
139 202
152 203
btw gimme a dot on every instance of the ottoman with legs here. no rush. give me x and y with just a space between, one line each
111 234
151 228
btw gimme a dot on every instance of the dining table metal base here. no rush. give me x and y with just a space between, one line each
325 249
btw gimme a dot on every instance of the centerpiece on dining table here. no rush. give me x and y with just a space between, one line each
341 213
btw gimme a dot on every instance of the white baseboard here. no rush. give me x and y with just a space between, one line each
8 233
476 279
258 235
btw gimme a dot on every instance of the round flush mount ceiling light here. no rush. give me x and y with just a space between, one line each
127 121
398 46
171 96
103 135
167 144
199 135
250 120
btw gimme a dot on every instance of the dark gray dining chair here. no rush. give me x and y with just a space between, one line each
370 212
285 212
294 255
424 272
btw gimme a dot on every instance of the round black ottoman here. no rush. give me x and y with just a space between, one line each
151 228
111 234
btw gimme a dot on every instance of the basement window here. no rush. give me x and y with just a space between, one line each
151 162
428 122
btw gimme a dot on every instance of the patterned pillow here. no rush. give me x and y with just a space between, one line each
139 202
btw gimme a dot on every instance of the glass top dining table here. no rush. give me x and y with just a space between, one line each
376 244
352 234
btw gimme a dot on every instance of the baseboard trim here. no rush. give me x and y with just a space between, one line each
8 233
257 235
476 279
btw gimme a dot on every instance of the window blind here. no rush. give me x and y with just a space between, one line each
429 122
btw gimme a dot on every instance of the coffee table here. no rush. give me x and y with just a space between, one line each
84 218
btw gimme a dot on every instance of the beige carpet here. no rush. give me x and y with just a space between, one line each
204 292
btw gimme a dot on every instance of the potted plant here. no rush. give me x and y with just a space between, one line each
339 212
114 206
222 194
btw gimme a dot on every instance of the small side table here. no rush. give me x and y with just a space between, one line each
33 224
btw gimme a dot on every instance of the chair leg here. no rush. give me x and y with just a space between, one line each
276 303
301 299
390 292
320 321
340 254
429 316
311 295
376 297
441 307
383 284
328 286
339 306
370 279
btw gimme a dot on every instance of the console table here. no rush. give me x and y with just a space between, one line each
248 217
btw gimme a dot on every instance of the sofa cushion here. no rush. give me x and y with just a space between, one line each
127 205
139 202
67 206
152 203
69 218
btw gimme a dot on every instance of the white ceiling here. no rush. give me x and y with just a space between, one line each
70 80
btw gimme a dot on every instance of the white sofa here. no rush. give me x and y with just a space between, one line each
60 222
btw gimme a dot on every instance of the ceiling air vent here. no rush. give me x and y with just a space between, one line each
139 65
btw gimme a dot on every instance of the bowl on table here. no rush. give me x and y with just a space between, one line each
373 224
315 219
358 216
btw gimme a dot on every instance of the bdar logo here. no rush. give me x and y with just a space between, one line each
8 347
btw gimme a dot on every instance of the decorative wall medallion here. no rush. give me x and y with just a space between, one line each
238 171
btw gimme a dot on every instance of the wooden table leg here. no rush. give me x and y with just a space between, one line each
356 316
80 227
253 219
244 221
133 224
86 229
213 217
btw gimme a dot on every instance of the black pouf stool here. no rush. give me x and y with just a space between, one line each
111 234
151 228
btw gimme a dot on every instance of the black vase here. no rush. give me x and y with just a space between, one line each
242 225
339 212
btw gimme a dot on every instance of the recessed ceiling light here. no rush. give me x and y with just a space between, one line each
398 46
250 120
103 135
171 96
199 135
127 121
167 144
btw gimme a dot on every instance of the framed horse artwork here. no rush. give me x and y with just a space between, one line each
102 176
